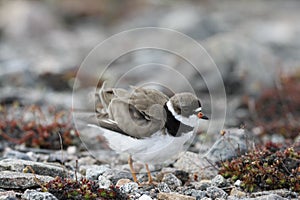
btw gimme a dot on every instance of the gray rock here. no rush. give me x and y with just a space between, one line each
171 180
134 195
8 195
233 143
218 181
235 192
104 182
199 194
18 180
129 187
163 187
93 171
35 157
16 155
202 185
214 192
85 161
191 162
280 192
234 198
206 198
45 169
270 196
114 175
35 195
173 196
57 157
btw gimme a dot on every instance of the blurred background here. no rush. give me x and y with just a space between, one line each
255 44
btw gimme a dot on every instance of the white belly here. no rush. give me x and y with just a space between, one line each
156 149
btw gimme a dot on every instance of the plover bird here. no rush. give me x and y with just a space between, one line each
146 124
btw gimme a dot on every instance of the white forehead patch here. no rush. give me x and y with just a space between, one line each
198 109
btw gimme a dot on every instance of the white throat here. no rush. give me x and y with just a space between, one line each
191 121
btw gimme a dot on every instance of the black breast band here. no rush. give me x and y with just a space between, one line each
175 127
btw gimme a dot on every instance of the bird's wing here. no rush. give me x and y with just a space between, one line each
107 94
111 125
150 102
132 121
139 113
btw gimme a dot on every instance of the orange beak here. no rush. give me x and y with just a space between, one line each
200 115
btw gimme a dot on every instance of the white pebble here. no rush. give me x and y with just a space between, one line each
145 197
237 183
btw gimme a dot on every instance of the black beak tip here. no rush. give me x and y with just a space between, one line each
205 117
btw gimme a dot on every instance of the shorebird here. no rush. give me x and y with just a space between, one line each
147 124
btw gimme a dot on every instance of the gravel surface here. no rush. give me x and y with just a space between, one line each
42 45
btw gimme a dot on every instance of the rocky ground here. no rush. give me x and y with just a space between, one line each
48 152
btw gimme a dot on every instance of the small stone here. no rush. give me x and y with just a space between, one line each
122 182
8 195
134 195
18 180
129 187
35 195
153 193
199 194
12 154
173 196
93 171
237 193
215 192
218 181
145 197
206 198
88 160
115 175
163 187
58 157
104 182
33 156
188 162
181 175
165 170
171 180
270 196
237 183
235 198
202 185
279 192
71 150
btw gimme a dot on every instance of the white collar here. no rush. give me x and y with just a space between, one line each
191 121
